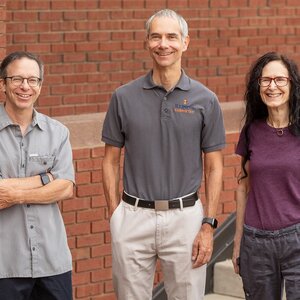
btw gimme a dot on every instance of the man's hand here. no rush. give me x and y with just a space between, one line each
7 196
202 246
236 254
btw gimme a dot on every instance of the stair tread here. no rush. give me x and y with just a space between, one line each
220 297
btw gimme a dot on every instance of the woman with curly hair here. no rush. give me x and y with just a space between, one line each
267 240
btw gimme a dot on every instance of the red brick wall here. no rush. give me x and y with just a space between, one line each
91 47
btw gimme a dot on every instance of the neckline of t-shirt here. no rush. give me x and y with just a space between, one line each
276 130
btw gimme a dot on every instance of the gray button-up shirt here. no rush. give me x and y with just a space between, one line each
33 241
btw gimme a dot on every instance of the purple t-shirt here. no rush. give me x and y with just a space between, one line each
274 196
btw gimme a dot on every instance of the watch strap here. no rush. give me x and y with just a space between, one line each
211 221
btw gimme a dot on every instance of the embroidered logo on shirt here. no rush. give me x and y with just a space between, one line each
184 108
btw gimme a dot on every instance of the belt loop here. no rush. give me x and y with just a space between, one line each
180 203
136 203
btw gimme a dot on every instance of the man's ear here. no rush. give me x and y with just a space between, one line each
2 85
146 46
186 43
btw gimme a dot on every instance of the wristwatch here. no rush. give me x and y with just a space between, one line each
211 221
44 178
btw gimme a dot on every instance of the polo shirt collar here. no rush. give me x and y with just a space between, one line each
6 121
183 83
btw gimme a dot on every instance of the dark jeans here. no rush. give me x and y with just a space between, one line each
267 260
58 287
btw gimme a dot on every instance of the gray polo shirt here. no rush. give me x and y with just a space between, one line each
164 134
33 238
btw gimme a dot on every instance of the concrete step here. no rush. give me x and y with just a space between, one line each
226 282
220 297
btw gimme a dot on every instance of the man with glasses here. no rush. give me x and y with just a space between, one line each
172 129
36 172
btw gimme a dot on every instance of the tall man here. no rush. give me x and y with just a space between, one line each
36 172
167 123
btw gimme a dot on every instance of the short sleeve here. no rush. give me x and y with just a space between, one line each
63 164
112 127
241 148
213 132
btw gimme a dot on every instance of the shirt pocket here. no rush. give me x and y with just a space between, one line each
40 163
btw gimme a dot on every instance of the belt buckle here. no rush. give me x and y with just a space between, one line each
161 205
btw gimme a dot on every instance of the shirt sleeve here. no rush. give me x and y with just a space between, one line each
241 148
213 132
63 163
112 132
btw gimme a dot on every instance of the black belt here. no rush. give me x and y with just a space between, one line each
161 204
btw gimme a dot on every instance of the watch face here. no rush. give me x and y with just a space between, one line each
45 179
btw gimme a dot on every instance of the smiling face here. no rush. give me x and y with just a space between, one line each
22 97
273 96
165 43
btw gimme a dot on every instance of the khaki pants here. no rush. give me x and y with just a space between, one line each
140 236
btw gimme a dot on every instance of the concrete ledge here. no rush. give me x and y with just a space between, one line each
233 113
85 129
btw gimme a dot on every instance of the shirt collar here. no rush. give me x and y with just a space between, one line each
183 83
5 120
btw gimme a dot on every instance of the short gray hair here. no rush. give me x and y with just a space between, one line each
171 14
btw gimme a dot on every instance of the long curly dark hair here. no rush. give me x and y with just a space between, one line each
256 109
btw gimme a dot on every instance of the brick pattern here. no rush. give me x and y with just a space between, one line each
91 47
87 225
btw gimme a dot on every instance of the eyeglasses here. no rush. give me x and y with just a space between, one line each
279 81
18 80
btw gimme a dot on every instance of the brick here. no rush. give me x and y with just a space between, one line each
80 278
78 229
101 250
99 201
100 226
90 215
88 164
62 5
51 37
76 204
89 190
87 5
81 153
90 290
89 240
51 15
37 5
69 218
20 38
39 48
80 253
99 275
